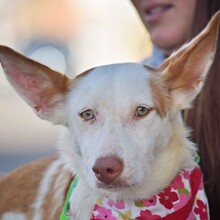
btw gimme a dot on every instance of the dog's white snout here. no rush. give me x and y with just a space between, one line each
107 169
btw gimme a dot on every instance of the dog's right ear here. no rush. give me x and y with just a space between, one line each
42 88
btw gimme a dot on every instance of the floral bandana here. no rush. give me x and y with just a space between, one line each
183 199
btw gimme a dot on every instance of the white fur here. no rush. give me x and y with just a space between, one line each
44 188
13 216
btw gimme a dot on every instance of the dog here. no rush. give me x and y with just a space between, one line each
125 152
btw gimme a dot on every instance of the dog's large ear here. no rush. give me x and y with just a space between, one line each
42 88
185 71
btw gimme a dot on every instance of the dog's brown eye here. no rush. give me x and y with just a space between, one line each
142 111
87 114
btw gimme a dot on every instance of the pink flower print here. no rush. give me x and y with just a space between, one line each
186 174
167 198
149 202
147 215
201 186
103 213
96 207
201 210
183 199
191 216
177 183
118 204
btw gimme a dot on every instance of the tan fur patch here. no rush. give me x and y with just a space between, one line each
55 198
160 95
19 189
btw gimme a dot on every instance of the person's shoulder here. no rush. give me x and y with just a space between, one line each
155 59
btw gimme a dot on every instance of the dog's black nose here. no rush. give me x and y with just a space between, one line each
107 169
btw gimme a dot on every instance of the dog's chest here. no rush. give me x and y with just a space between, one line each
184 199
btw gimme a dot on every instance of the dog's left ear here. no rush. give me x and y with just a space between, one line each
42 88
185 71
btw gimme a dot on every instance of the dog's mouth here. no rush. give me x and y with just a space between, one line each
114 186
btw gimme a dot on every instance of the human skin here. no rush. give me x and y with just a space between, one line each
169 22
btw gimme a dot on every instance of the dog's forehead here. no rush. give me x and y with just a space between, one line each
113 87
116 75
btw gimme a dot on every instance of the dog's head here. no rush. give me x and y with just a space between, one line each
123 120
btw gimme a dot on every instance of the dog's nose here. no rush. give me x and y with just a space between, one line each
107 169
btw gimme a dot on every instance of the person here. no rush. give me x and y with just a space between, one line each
171 23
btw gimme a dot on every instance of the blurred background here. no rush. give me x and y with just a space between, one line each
70 36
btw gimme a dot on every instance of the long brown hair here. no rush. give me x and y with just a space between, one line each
204 117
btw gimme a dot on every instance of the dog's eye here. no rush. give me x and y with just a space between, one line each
87 114
142 111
